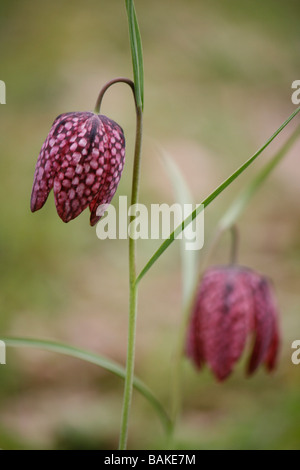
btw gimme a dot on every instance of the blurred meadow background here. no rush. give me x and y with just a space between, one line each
218 81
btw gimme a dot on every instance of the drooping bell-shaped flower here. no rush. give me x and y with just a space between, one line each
232 303
82 159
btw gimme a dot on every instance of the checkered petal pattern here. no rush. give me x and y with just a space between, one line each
232 303
82 159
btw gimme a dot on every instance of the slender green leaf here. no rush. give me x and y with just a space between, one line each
93 358
136 53
183 196
210 198
240 203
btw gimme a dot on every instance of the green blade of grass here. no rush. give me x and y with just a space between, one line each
210 198
96 359
136 53
240 203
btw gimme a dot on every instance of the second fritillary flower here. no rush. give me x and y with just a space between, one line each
233 302
82 159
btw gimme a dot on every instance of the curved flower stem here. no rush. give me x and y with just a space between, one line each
108 85
133 289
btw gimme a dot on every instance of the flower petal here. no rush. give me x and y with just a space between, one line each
74 185
264 324
231 302
110 168
272 354
273 350
91 164
193 347
226 316
47 164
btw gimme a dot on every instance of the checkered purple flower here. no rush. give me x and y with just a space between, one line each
232 303
82 159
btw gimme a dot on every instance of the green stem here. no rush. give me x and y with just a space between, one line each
138 73
132 286
133 290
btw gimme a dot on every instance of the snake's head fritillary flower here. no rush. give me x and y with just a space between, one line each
82 159
232 303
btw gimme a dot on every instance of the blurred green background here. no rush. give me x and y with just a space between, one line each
218 81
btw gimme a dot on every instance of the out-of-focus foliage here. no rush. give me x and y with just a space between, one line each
217 84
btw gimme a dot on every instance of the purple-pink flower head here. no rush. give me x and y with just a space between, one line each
232 303
82 159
